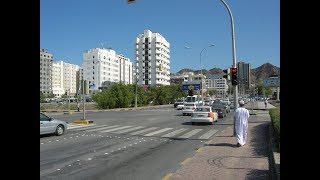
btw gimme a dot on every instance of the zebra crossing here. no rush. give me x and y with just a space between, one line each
182 133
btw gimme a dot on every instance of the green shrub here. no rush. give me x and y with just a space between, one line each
275 119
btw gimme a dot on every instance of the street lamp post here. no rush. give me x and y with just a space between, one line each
211 45
68 94
83 101
136 96
235 87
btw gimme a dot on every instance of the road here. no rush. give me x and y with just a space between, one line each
143 144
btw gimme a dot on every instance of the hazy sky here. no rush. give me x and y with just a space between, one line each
68 28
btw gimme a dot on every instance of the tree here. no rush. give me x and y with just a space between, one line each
64 96
51 95
268 91
212 92
42 97
260 87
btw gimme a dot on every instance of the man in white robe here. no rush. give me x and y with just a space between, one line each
241 116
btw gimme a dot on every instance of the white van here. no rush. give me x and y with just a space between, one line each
190 104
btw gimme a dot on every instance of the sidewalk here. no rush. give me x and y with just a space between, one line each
220 158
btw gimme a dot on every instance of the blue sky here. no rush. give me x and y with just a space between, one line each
68 28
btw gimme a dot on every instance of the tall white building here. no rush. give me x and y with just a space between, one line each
57 79
152 59
102 67
64 78
46 60
125 69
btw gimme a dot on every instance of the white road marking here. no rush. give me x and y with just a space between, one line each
102 128
208 134
88 127
174 132
142 131
130 129
109 130
157 132
191 133
74 126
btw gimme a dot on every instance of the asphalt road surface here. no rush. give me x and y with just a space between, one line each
137 144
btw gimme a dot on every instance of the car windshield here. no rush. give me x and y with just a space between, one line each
189 105
203 109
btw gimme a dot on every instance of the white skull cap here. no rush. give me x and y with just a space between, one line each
241 102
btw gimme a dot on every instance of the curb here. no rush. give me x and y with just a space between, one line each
274 157
82 121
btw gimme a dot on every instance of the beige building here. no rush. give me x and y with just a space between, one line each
46 60
64 78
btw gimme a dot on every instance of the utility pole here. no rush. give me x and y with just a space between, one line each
136 94
68 94
235 87
83 99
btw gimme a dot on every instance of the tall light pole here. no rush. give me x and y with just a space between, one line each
136 96
211 45
235 87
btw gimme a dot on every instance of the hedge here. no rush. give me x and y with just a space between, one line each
275 119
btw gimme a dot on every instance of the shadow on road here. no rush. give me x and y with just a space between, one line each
222 144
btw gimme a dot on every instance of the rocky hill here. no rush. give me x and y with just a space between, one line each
261 72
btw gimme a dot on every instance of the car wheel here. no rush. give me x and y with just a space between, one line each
59 130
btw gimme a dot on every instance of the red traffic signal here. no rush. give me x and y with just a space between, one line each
234 77
233 70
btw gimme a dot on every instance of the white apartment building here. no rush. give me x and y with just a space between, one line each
189 77
152 58
64 78
125 70
57 79
102 67
46 60
218 83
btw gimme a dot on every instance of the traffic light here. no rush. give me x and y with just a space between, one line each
234 77
226 74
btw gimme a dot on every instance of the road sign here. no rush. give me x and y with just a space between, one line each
187 87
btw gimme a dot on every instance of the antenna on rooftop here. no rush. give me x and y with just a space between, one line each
101 45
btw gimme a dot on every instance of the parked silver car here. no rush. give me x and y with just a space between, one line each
49 125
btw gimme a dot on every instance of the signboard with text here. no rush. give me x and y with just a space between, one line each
195 87
271 82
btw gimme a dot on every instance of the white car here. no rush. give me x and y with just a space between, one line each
180 106
204 114
49 125
188 108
